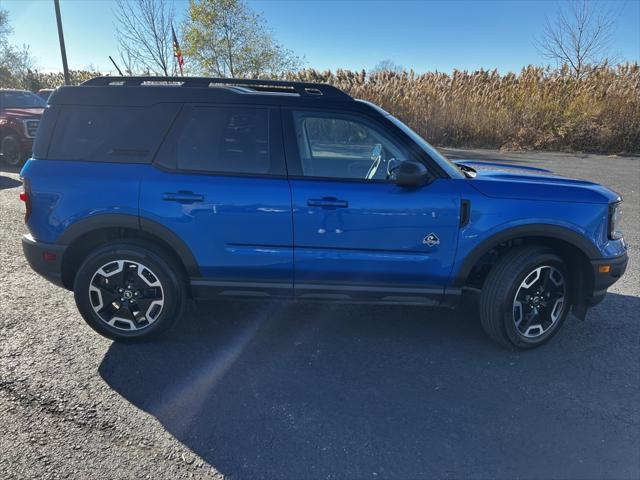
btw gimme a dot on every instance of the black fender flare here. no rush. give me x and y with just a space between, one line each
554 232
133 222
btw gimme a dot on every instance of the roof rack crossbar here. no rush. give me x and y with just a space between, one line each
304 89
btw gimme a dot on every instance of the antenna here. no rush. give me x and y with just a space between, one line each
115 65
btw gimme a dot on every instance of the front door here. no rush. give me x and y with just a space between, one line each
220 184
357 234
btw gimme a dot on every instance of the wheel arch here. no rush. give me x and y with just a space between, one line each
85 235
575 249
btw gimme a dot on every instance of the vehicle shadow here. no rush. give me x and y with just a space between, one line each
333 391
8 182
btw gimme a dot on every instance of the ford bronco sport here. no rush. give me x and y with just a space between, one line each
144 192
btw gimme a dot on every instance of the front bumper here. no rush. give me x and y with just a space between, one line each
605 277
44 258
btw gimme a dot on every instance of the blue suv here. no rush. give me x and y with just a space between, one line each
144 192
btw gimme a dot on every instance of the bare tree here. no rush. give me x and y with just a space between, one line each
579 37
127 61
387 65
143 29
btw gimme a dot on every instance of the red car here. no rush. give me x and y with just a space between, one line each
20 112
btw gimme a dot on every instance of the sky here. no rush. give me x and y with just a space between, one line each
329 34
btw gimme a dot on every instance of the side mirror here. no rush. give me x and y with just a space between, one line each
412 174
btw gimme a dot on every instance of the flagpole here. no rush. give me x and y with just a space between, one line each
177 53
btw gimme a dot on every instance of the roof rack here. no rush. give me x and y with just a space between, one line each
302 89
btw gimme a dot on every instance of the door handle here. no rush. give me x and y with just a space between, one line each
327 202
183 197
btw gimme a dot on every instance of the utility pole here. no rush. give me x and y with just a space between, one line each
63 50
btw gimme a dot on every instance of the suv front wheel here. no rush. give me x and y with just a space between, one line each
10 150
525 297
128 291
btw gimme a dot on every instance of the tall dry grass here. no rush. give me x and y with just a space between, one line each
536 109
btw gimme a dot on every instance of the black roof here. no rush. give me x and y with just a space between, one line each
149 90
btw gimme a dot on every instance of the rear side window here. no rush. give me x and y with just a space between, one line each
110 133
221 140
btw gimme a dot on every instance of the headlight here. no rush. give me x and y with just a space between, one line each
615 233
30 127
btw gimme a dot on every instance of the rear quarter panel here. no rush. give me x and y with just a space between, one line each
64 192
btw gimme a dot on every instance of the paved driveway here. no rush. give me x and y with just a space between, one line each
309 391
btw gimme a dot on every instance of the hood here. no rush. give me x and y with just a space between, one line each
22 112
521 182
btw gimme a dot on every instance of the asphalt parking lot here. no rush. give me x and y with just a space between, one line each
306 391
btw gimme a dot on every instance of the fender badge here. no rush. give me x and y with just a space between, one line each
431 240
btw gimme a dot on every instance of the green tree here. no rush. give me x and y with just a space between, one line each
15 62
226 38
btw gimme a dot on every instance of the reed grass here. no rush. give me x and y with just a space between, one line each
537 109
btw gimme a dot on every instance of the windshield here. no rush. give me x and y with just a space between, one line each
20 99
446 164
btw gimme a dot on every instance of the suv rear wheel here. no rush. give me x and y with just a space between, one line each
525 298
128 291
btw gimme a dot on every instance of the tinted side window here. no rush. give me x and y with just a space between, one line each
337 137
221 140
45 131
110 133
343 146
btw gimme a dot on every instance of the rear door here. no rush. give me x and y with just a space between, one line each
357 234
219 182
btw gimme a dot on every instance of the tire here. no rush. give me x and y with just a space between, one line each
512 311
11 150
130 291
